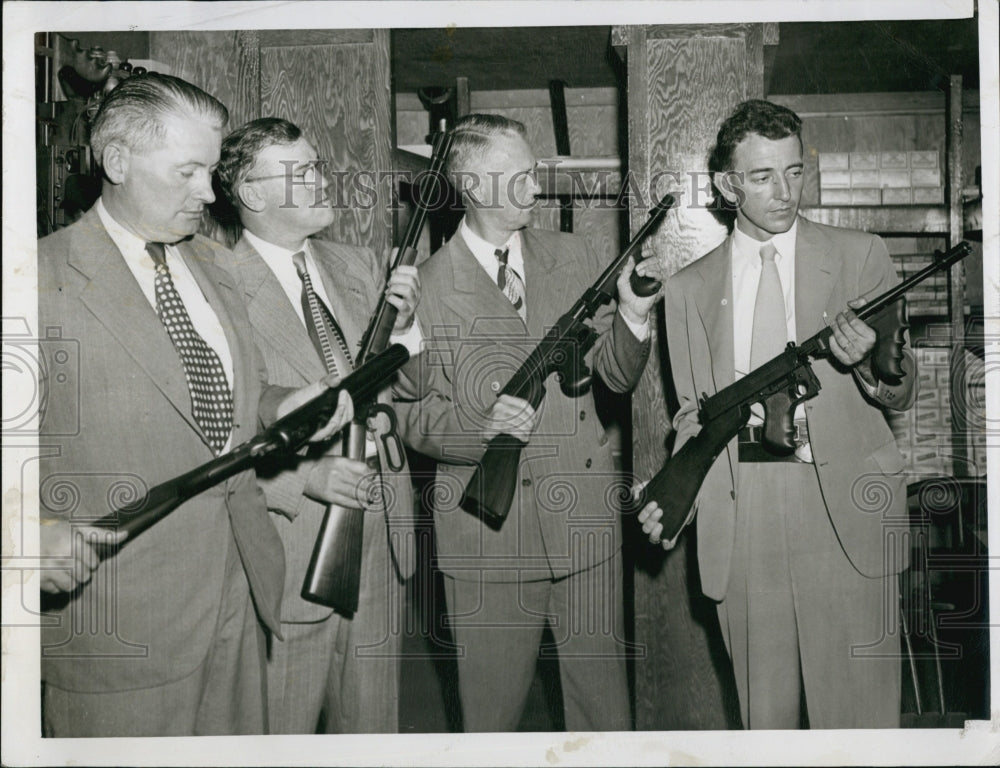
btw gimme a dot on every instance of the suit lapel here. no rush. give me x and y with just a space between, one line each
114 297
549 292
272 315
220 292
344 281
474 294
815 270
714 302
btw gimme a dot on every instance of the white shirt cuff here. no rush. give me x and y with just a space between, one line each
639 330
411 339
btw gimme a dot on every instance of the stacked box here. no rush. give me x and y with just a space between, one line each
896 177
930 298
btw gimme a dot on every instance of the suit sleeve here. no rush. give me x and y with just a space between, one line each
685 421
878 276
618 356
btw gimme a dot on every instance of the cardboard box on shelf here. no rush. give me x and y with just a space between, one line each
921 158
834 161
928 195
894 160
864 160
896 196
894 178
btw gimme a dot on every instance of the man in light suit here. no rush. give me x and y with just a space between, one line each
167 636
556 558
801 552
332 673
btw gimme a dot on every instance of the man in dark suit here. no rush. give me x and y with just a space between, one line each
332 673
801 552
167 636
489 296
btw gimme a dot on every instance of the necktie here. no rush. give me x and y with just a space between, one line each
770 329
509 281
323 329
211 397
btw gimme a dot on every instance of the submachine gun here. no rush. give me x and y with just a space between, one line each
780 384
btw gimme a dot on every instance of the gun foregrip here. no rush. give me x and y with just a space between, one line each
887 356
490 491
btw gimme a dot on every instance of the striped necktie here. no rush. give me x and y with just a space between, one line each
323 328
509 281
211 397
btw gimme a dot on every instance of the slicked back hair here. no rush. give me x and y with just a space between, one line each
772 121
134 113
472 137
241 148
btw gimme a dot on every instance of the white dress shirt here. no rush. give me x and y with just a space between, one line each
279 261
140 264
485 254
746 276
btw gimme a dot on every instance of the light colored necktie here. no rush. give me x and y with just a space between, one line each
211 397
323 329
770 329
509 281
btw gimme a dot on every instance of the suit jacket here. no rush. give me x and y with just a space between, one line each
856 457
120 422
352 277
565 515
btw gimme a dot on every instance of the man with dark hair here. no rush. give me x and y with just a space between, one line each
489 296
166 637
332 673
800 552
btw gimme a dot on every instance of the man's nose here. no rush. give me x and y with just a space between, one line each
203 191
783 191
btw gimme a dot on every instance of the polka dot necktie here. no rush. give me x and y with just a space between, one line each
211 397
509 281
323 329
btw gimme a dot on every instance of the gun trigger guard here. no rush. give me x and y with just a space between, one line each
383 425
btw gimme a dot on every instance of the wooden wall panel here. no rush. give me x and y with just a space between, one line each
680 89
207 59
339 96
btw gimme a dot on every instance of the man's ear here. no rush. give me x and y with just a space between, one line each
250 197
730 186
115 161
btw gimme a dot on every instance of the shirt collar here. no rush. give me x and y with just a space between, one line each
748 247
128 243
272 252
485 252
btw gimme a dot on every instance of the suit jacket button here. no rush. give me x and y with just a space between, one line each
526 482
589 462
583 415
733 495
495 386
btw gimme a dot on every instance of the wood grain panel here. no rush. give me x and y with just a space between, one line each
206 59
339 96
679 93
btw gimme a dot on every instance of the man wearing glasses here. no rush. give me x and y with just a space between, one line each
309 302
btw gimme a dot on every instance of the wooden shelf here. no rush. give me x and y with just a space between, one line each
884 219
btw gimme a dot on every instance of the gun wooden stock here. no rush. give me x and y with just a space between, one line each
778 384
333 577
287 434
491 488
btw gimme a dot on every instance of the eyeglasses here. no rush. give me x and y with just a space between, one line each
298 176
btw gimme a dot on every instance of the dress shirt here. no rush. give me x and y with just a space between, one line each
279 261
140 264
746 276
485 254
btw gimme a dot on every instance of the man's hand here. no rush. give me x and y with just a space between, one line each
852 340
341 417
513 416
403 292
67 557
342 481
650 516
634 308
